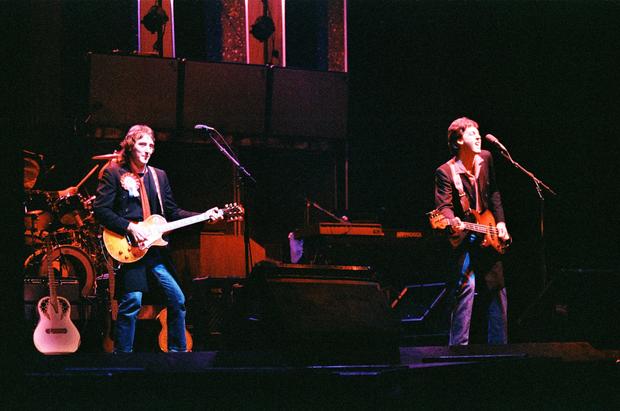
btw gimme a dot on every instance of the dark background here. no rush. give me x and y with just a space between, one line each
542 77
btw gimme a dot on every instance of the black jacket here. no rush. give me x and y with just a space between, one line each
447 198
115 208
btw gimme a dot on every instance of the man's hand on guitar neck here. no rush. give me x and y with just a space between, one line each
214 215
457 225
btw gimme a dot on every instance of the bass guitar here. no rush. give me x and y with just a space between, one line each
55 332
123 249
484 224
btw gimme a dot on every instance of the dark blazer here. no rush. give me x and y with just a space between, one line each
115 209
446 195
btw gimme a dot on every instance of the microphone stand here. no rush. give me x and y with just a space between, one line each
539 190
243 175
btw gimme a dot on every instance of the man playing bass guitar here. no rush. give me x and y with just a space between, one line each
465 190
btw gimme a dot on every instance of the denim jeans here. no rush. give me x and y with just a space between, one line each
464 303
129 305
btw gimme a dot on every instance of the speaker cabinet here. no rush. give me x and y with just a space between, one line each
229 97
321 318
209 309
310 104
127 90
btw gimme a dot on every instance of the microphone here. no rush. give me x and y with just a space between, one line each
493 140
203 127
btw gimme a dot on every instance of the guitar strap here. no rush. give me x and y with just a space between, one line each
156 180
458 183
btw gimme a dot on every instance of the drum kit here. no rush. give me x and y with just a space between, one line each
66 220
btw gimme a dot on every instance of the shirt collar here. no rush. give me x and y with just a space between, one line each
460 168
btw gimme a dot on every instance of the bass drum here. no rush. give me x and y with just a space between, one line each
67 261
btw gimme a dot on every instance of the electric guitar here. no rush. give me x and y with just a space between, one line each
55 332
124 250
163 334
485 224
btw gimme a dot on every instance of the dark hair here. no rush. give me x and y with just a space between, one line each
456 130
134 133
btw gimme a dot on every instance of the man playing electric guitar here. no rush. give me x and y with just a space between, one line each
465 188
129 192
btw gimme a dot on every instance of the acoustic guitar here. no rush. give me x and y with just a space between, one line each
55 332
124 250
484 224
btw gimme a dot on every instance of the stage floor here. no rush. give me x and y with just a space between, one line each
571 375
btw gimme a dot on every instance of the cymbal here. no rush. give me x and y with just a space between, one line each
31 172
105 157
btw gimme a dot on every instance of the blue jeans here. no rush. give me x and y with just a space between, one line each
129 305
464 303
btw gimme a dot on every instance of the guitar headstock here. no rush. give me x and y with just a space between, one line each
233 212
230 212
437 220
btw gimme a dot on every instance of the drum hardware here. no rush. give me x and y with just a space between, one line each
67 260
106 157
36 224
70 210
68 222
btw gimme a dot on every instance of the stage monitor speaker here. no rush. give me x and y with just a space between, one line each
320 318
229 97
128 90
424 313
416 301
309 104
209 309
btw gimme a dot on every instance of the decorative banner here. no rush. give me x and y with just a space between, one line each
337 35
153 16
273 50
234 32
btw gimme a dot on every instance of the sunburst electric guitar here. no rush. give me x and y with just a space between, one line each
485 224
163 334
123 249
55 332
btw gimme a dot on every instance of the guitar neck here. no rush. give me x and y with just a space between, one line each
167 227
480 228
51 278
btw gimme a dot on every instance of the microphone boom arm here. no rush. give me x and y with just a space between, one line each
536 180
